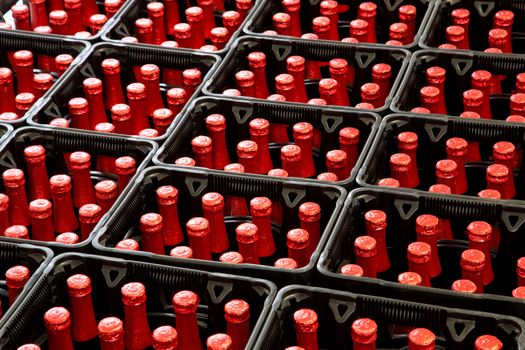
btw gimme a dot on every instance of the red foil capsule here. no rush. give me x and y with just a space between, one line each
370 93
106 194
64 218
41 213
83 193
480 237
375 223
14 184
295 66
381 75
185 161
16 231
472 267
137 333
20 13
8 116
105 163
198 230
165 337
432 99
520 83
79 113
408 16
473 101
261 212
293 9
422 110
35 160
152 233
243 7
96 22
89 215
4 213
247 153
303 134
298 243
421 339
352 270
473 154
37 9
482 80
235 206
464 286
87 35
312 70
185 304
23 67
167 202
359 30
7 104
58 325
488 342
400 164
394 43
446 174
367 11
400 32
67 238
111 333
457 149
213 209
231 20
339 70
282 23
93 93
388 182
113 86
407 143
419 256
191 79
73 9
231 258
498 179
285 85
156 15
150 76
121 118
219 37
58 21
310 218
427 229
519 293
277 210
42 83
182 252
171 15
337 163
500 39
125 168
445 229
219 341
24 102
329 9
83 321
177 98
16 278
364 334
410 278
29 347
128 244
461 17
248 241
505 153
195 18
216 125
291 160
137 102
365 250
112 6
144 31
237 315
260 133
328 90
517 104
171 76
456 36
162 119
257 63
306 325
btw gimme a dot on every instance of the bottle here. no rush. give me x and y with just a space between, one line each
408 16
488 342
162 119
419 255
427 229
219 37
499 39
231 258
295 65
400 164
328 90
93 93
14 184
237 315
216 125
208 23
248 241
24 102
137 333
41 213
23 68
64 218
185 304
79 113
83 321
432 99
375 223
285 263
257 64
480 237
152 233
177 98
504 19
306 325
464 286
42 83
410 278
183 35
144 31
195 18
517 104
407 143
67 238
455 35
381 75
303 134
364 334
298 243
520 271
339 69
310 218
421 339
461 17
337 163
37 9
89 215
243 7
293 9
106 194
58 21
136 93
167 202
399 32
184 161
96 22
231 20
125 168
198 231
472 267
172 15
182 252
370 93
473 101
388 182
498 179
111 7
235 206
156 15
365 250
20 13
436 77
113 86
165 338
482 81
4 213
128 244
261 211
285 85
219 341
57 322
16 278
150 76
457 149
259 133
446 174
359 30
444 225
505 153
35 160
367 11
245 82
352 270
6 87
213 209
312 70
111 333
291 160
247 153
321 27
329 9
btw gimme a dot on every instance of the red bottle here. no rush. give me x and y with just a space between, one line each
16 278
64 218
445 230
464 286
367 11
339 71
407 143
286 263
245 82
388 182
473 101
59 122
310 218
144 31
446 174
348 142
303 134
337 163
231 258
247 153
172 15
257 64
24 102
298 243
235 206
125 168
500 39
375 223
152 233
111 333
14 184
67 238
364 334
400 32
419 256
456 36
505 153
498 179
184 161
79 112
113 86
410 278
248 241
359 30
231 20
23 67
480 237
137 102
237 315
321 27
128 244
162 119
156 15
517 104
185 304
295 65
20 13
306 325
312 70
112 6
35 160
293 9
182 252
106 194
472 267
261 212
83 321
432 99
213 209
195 18
282 23
482 80
291 160
457 149
365 250
427 229
42 83
198 231
16 231
259 133
58 21
37 9
352 270
6 88
165 338
421 339
488 342
4 213
137 333
285 85
94 97
177 98
436 77
329 9
167 199
381 75
219 341
83 193
150 77
370 93
216 125
89 215
400 164
57 322
408 16
209 17
328 91
42 216
96 22
461 17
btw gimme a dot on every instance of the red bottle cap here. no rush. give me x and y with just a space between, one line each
78 106
367 10
110 66
364 331
57 319
219 35
247 233
503 151
125 166
13 178
421 339
488 342
446 169
67 238
58 17
185 161
455 34
43 29
185 302
306 321
282 21
90 214
128 39
17 231
247 149
276 97
492 194
519 292
191 77
520 267
498 36
29 347
497 173
169 43
407 141
310 212
237 311
60 184
370 91
245 78
352 270
165 337
270 32
133 294
97 21
167 195
328 8
106 189
155 9
460 16
365 246
284 82
119 112
381 71
128 244
419 252
410 278
464 286
43 81
517 102
473 98
23 58
144 26
231 258
234 168
473 260
400 162
20 11
399 31
429 94
407 13
78 285
219 341
388 182
213 201
420 110
427 225
260 206
286 263
231 92
321 25
17 276
24 101
328 87
92 86
9 116
456 147
105 127
295 64
59 122
194 14
151 223
110 329
162 117
291 5
35 154
359 29
87 35
436 75
182 31
176 96
40 209
317 102
231 19
198 227
182 252
297 239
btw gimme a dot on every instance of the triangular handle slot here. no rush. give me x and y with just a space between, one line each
461 65
330 122
364 59
391 5
435 132
53 111
342 310
218 291
459 329
281 51
87 71
113 275
513 221
242 114
196 186
122 30
484 7
406 208
292 197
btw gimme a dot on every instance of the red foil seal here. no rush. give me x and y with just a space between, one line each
198 231
213 209
185 304
167 202
261 212
306 324
137 333
14 184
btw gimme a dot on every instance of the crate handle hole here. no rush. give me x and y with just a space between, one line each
242 114
406 208
459 329
342 310
484 7
195 186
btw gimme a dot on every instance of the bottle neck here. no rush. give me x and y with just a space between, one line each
83 192
200 247
96 109
43 230
113 92
83 321
172 230
139 118
307 340
18 207
60 340
137 333
239 332
153 242
266 245
187 326
38 180
219 149
249 252
64 216
219 243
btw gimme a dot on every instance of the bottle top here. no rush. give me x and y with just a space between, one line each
348 136
358 27
256 60
479 231
504 18
215 123
144 25
231 258
310 36
176 96
473 260
367 10
329 177
213 201
365 246
185 161
455 33
488 342
78 285
317 102
497 172
247 149
465 286
306 321
4 202
133 294
219 341
303 131
28 347
155 9
191 76
78 106
328 7
398 31
231 92
321 24
237 311
420 110
98 20
198 227
259 127
169 43
17 276
9 116
352 270
460 16
125 165
260 206
481 78
243 4
382 71
489 193
106 189
92 86
407 13
503 150
90 214
436 75
234 168
58 17
35 154
389 182
498 36
182 31
297 239
167 195
284 82
17 231
40 209
151 223
295 64
185 302
281 20
328 86
446 168
370 90
364 331
410 278
60 183
247 233
457 147
182 252
67 238
427 225
375 220
310 212
421 337
231 18
419 252
165 337
429 94
24 100
394 43
128 244
407 140
162 117
473 98
150 72
291 153
13 178
57 319
400 161
42 81
110 329
286 263
291 5
245 78
519 292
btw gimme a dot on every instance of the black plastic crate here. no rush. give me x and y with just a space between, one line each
276 49
39 45
108 275
239 113
459 66
34 258
192 185
481 16
402 209
59 142
387 14
455 328
6 16
129 56
125 25
5 130
433 131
